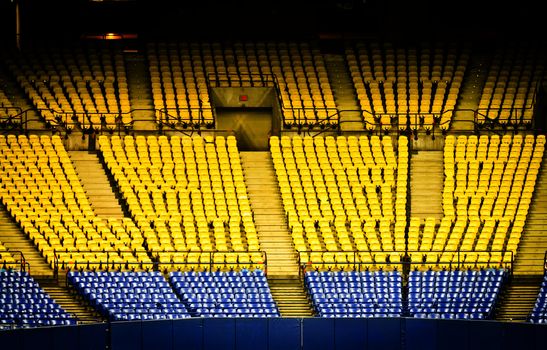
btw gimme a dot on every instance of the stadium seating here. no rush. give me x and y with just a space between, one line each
179 82
188 197
23 303
181 71
458 294
418 86
539 312
7 260
509 93
7 109
85 84
225 294
128 295
42 192
489 183
355 294
344 197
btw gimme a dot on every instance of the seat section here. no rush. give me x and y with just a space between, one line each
83 86
509 95
7 260
243 293
24 304
355 293
489 183
7 109
128 295
178 74
457 294
407 87
345 198
43 194
182 72
539 312
188 197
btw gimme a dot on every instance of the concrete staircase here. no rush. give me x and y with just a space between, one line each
520 296
533 243
15 240
470 93
426 184
283 272
96 184
290 296
269 215
344 92
71 302
140 91
518 299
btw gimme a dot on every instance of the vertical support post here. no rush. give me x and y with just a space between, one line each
17 26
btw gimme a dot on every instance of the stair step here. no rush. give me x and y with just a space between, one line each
96 184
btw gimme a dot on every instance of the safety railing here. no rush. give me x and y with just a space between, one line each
352 259
20 261
324 119
10 117
312 118
515 118
193 259
402 123
171 117
240 80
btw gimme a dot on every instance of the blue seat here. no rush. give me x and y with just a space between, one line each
25 304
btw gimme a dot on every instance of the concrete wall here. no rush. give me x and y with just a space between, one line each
252 126
252 113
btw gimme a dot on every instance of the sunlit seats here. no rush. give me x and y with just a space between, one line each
186 194
43 194
7 260
85 85
344 195
489 181
181 73
406 88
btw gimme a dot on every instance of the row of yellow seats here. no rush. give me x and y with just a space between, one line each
57 226
213 222
312 225
7 261
490 216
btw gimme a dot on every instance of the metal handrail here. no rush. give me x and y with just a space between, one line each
166 118
24 265
108 263
65 119
332 118
405 261
496 121
238 80
9 108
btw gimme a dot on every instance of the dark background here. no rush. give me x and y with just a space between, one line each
64 20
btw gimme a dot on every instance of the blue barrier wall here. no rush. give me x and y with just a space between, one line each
283 333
